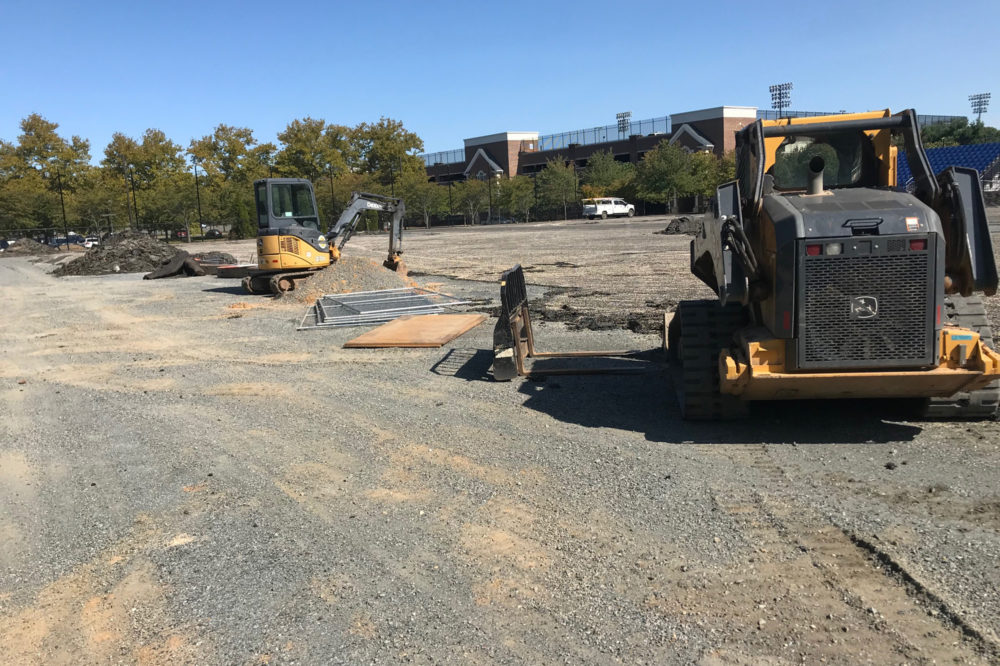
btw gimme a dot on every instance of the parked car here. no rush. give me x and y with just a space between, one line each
213 233
181 233
606 207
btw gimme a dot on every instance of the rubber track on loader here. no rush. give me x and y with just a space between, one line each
968 312
698 332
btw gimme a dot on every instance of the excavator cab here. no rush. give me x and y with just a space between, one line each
288 229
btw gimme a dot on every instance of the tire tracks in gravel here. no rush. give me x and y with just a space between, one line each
891 597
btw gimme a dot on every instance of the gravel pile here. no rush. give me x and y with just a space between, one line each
27 247
127 252
214 257
348 275
683 225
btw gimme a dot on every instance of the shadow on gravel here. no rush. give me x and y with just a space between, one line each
646 404
472 365
236 289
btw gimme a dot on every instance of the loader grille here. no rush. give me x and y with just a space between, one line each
866 310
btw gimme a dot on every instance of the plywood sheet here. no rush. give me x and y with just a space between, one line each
418 331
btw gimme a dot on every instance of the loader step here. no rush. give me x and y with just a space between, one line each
967 312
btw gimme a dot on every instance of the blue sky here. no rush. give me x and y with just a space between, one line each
451 70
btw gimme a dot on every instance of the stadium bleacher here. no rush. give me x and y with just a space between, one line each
978 156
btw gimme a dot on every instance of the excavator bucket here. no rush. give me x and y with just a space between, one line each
396 263
514 340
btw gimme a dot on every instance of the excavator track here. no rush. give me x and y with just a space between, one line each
967 312
696 335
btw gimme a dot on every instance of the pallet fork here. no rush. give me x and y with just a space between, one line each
514 340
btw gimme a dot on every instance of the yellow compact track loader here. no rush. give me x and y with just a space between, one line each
290 245
832 282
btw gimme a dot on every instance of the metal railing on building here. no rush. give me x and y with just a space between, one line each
586 137
444 157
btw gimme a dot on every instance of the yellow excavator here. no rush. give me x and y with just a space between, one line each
290 246
832 282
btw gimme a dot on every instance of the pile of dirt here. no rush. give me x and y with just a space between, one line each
221 258
25 247
683 225
348 275
126 252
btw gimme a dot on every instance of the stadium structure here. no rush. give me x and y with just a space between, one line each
518 152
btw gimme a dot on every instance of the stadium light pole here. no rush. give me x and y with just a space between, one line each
624 121
781 96
980 102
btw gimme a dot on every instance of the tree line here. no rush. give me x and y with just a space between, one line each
151 182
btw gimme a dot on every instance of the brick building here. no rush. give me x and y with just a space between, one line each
510 153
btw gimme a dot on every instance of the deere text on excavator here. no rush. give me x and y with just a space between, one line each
832 282
290 245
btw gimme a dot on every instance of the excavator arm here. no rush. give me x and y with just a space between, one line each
342 231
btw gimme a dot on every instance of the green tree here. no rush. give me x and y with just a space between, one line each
606 176
421 197
310 147
40 174
386 150
517 195
470 196
557 184
959 132
232 153
663 174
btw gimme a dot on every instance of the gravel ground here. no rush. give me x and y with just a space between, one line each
187 479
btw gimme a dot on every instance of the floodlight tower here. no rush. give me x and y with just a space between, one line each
624 122
980 102
781 96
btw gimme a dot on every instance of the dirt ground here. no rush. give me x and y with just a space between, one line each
185 478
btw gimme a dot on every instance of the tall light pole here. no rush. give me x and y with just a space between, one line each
197 194
624 122
980 102
135 205
781 96
333 196
63 204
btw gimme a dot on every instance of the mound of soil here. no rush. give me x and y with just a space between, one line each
683 225
126 252
222 258
348 275
25 247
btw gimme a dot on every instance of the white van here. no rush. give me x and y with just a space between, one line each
606 207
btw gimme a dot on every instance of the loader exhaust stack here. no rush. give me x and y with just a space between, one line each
816 166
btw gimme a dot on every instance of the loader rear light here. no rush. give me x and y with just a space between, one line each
834 248
918 244
814 250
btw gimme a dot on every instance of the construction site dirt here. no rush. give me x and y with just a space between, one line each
185 478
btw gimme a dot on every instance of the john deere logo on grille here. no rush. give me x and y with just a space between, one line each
864 307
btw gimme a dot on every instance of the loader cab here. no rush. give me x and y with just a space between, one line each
848 157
